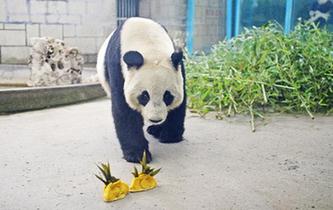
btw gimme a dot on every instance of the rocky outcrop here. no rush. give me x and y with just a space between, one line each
53 63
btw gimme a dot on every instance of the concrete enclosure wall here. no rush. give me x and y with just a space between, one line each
86 23
209 23
169 13
209 20
80 23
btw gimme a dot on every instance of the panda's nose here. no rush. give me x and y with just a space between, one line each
155 121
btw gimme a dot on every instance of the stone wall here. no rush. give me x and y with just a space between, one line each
86 23
169 13
209 23
80 23
209 20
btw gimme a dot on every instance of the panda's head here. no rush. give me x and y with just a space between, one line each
153 86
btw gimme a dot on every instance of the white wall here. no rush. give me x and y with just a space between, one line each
80 23
169 13
209 23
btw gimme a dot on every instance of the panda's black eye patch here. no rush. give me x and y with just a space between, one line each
144 98
168 98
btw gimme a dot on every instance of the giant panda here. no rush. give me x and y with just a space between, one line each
140 68
320 12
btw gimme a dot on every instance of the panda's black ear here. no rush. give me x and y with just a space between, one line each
133 59
176 58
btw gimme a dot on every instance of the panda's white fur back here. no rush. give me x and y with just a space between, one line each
100 66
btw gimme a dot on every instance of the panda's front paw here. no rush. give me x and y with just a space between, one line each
154 130
136 156
169 138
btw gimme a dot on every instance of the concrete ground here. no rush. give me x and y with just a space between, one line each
47 161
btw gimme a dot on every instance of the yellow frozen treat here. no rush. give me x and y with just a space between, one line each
114 188
144 180
115 191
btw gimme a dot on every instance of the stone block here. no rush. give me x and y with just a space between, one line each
63 19
50 30
69 30
90 58
95 7
84 44
98 11
14 55
17 17
53 18
15 26
32 31
38 18
38 7
76 7
70 19
144 8
3 12
89 30
12 37
108 28
57 7
17 6
100 41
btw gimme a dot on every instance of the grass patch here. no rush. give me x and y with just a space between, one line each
264 70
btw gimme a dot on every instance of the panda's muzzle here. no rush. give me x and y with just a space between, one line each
155 121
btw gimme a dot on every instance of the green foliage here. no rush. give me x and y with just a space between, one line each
106 171
264 69
145 168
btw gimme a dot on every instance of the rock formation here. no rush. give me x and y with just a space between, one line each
53 63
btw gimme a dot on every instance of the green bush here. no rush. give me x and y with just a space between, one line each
263 69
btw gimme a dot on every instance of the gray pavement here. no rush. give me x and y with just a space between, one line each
47 161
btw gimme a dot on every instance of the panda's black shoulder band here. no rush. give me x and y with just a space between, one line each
176 58
133 59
